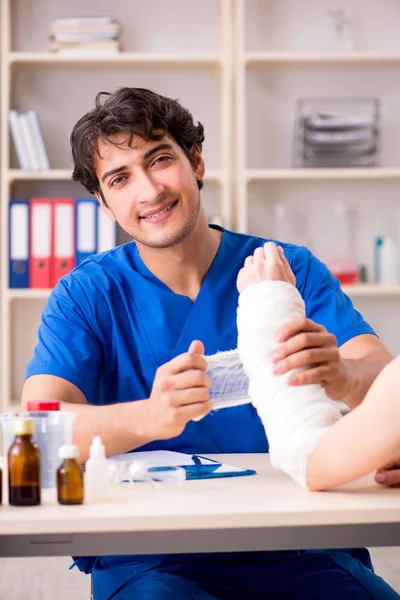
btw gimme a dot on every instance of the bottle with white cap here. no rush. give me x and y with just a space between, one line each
389 262
97 473
69 476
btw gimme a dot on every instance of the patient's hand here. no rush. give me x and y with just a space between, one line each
267 263
389 474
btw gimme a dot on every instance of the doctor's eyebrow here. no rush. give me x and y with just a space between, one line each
163 146
113 172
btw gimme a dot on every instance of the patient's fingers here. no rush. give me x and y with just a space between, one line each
290 277
267 263
274 265
271 252
259 256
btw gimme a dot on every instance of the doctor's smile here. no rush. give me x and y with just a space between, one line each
159 215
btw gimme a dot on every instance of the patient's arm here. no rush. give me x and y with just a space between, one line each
308 438
362 441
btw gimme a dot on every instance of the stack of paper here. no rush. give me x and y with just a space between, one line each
85 35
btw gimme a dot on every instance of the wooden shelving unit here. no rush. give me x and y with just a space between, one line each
218 62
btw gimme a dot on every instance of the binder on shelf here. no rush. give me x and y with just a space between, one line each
19 244
86 228
29 142
18 140
63 238
40 243
38 140
106 232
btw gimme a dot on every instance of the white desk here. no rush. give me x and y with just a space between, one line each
266 511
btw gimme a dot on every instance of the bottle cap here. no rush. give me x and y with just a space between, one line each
97 449
68 451
34 405
23 426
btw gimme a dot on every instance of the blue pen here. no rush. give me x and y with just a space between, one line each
196 471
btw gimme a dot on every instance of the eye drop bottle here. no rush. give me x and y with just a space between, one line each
97 473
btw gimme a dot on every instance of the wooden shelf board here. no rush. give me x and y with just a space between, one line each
321 58
65 175
121 58
318 174
371 289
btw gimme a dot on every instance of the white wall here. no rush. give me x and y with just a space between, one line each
301 25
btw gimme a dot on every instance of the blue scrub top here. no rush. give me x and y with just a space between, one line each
110 323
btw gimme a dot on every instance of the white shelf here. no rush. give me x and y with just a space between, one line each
65 175
27 294
358 290
354 291
48 175
343 174
251 174
371 289
321 58
123 58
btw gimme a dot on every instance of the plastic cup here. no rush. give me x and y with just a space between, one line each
52 430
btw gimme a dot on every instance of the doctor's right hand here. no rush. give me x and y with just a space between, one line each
180 393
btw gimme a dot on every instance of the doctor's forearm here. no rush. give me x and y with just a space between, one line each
363 372
122 427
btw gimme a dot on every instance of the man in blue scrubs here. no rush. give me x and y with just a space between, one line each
122 339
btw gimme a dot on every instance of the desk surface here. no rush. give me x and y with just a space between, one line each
267 511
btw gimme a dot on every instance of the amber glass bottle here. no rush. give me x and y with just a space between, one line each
23 465
69 476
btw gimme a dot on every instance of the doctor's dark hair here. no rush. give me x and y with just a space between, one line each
135 111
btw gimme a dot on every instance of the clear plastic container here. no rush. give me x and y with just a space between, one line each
342 263
52 429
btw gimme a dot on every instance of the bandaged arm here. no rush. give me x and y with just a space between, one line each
308 437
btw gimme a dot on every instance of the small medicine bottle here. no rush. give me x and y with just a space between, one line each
69 476
97 473
23 465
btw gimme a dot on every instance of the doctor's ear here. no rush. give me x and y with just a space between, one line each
198 163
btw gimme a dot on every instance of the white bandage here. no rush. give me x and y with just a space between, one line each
229 382
294 418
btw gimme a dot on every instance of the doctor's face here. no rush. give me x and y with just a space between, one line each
150 188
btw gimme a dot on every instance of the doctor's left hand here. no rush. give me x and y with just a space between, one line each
309 346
